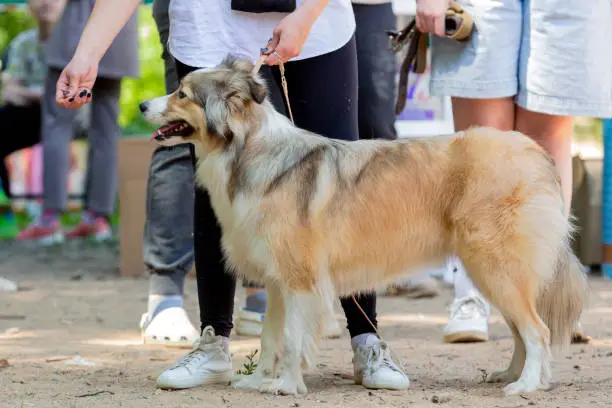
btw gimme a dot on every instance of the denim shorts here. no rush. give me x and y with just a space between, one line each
553 56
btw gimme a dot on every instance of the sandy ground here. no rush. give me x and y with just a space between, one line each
74 308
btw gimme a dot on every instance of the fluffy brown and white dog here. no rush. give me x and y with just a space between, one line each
314 218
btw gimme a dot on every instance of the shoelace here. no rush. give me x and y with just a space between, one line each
189 357
379 355
198 346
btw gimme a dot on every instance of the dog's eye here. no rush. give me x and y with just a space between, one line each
181 94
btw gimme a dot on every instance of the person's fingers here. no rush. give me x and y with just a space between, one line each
61 88
439 26
67 90
273 42
420 23
271 60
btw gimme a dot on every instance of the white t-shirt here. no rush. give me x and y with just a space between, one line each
204 32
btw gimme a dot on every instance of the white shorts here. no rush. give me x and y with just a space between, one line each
553 56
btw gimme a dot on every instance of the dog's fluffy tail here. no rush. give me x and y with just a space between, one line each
562 300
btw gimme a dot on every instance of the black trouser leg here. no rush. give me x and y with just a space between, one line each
216 287
20 130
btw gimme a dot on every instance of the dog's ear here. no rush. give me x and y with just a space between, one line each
216 112
216 120
237 64
259 91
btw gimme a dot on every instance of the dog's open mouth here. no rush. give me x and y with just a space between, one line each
175 128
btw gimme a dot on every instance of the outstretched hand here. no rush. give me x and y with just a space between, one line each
75 84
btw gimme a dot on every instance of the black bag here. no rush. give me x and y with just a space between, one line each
264 6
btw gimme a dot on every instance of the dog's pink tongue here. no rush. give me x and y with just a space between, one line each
165 129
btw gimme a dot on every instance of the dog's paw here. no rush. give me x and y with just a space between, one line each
503 376
248 382
522 386
283 386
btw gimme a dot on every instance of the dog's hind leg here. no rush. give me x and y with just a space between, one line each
271 342
300 327
511 286
513 372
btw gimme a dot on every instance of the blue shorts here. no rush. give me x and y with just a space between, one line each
553 56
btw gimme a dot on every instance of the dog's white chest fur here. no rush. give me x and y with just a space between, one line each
239 218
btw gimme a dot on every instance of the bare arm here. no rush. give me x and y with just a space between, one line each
313 9
76 81
292 32
107 18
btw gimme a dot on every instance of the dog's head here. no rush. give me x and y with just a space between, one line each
210 107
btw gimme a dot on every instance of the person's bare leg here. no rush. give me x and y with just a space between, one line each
497 113
554 133
468 321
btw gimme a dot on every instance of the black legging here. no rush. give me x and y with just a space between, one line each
323 95
20 129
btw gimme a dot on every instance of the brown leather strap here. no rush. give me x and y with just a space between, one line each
458 23
458 26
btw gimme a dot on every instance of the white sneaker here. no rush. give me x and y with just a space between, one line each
375 369
250 323
333 330
421 286
170 327
208 363
7 285
469 321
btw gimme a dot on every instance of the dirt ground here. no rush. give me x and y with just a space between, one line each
70 338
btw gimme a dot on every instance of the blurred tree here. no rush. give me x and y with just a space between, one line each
12 23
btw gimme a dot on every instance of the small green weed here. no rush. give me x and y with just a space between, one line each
250 365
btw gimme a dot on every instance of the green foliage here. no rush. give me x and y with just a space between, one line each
151 81
12 23
133 90
249 366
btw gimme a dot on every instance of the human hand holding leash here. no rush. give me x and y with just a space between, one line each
430 16
290 35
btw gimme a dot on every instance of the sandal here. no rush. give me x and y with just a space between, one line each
170 327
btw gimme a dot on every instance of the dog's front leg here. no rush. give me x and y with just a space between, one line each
300 328
271 343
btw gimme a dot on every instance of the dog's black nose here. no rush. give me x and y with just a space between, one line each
143 107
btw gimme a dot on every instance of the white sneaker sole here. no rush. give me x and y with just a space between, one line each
212 378
468 336
248 329
187 344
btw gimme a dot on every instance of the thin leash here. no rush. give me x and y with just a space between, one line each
264 54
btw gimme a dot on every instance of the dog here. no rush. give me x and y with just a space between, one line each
313 218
